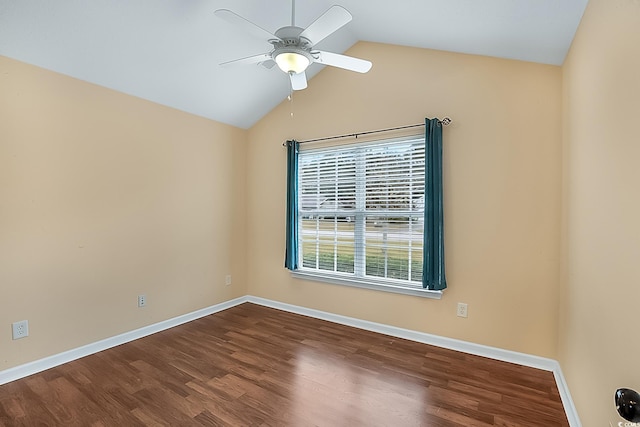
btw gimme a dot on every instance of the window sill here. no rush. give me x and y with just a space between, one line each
336 280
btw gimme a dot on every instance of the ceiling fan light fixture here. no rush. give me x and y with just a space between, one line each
292 61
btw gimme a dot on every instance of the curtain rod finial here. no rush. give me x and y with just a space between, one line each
446 121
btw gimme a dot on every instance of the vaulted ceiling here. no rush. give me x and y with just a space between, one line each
169 51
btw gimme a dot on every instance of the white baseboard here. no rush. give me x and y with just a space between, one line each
36 366
567 401
551 365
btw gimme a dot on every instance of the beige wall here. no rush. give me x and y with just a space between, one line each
502 193
599 344
103 197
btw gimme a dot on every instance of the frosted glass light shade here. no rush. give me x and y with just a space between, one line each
292 62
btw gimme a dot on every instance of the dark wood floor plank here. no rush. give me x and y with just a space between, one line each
255 366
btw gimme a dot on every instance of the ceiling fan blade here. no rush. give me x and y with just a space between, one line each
327 23
247 25
268 64
298 81
255 59
342 61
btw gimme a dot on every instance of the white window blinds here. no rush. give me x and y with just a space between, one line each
361 210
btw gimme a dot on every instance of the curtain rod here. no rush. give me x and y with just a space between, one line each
444 122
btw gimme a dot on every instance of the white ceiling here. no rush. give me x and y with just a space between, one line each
168 51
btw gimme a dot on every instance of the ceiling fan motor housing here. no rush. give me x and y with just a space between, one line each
291 34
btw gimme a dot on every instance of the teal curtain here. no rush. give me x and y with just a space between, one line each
291 252
433 275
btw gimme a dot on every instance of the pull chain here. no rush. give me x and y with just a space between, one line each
290 98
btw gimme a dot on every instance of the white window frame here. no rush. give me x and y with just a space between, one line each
358 278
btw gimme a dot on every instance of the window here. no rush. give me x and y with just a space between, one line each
361 212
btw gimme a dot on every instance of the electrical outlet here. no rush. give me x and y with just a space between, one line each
462 309
20 329
227 280
142 300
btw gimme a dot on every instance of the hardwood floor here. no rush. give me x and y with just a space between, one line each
256 366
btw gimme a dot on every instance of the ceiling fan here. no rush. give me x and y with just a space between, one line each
293 47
